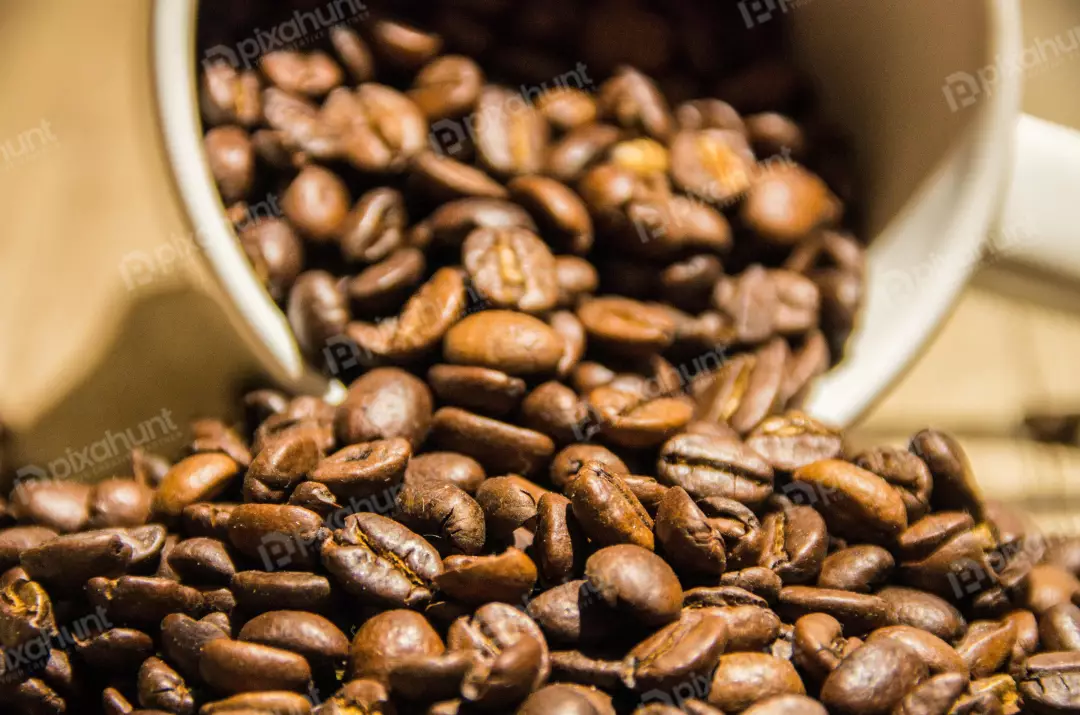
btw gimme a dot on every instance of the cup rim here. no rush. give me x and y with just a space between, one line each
841 397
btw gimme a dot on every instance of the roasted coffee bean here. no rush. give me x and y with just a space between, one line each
380 288
515 343
688 540
119 503
57 505
280 535
935 695
857 568
499 446
308 634
511 136
786 705
162 688
226 95
569 461
794 440
450 517
1048 586
70 561
567 699
819 644
707 466
573 614
559 544
508 504
681 651
273 702
202 561
26 613
142 599
113 702
200 477
560 213
635 581
555 410
258 591
873 679
856 503
906 472
511 268
230 666
17 539
636 421
481 389
757 580
382 563
450 467
120 650
938 655
986 646
388 638
510 650
715 164
384 404
448 86
508 577
607 510
923 610
954 482
183 638
742 679
626 325
231 159
858 613
365 470
1049 682
1059 627
207 519
375 227
445 179
787 203
634 102
746 389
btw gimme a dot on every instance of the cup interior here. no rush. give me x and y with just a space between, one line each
930 173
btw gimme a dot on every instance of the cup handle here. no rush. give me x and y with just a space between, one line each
1040 221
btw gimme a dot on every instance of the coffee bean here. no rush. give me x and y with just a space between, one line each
447 514
316 203
858 613
308 634
684 650
786 705
380 288
183 638
1049 680
986 646
451 467
446 179
487 391
873 678
510 648
388 638
1059 627
380 562
924 611
630 579
448 86
17 539
575 667
573 154
70 561
742 679
113 702
230 666
142 599
365 470
26 613
794 544
207 519
634 102
787 202
906 472
938 655
202 561
607 510
499 446
508 503
855 503
455 221
273 702
62 506
624 324
312 73
375 227
161 687
569 461
559 545
567 699
688 540
511 268
709 467
573 614
279 534
258 591
503 340
508 577
119 650
857 568
954 483
226 95
560 213
794 440
819 644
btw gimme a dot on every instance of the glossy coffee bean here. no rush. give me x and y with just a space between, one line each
508 577
707 466
308 634
452 467
742 679
688 540
681 651
855 503
230 666
384 404
635 581
609 513
453 518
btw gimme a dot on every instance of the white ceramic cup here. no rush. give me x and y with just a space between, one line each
930 92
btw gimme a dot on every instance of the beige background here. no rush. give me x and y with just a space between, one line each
90 246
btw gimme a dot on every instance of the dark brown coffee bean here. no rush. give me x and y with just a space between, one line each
447 87
511 136
573 614
454 221
786 705
567 699
119 503
774 134
922 538
383 404
353 53
380 288
1059 627
499 446
508 646
309 73
68 562
923 610
555 410
230 666
708 114
857 568
508 504
873 679
120 650
381 128
569 461
280 535
576 152
231 159
819 645
17 539
281 466
855 503
793 440
684 650
508 577
318 640
316 203
575 278
202 561
858 613
375 227
317 310
635 581
388 638
515 343
627 325
1049 681
688 540
573 666
26 613
366 469
742 679
446 179
715 164
271 702
113 702
1047 586
806 364
632 101
182 641
62 506
934 696
714 467
481 389
404 46
227 96
986 646
142 599
795 542
207 519
634 420
160 687
449 517
560 213
511 268
786 203
607 510
559 544
939 656
382 563
954 483
757 580
451 467
258 591
906 472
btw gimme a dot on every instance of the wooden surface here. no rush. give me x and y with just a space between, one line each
89 199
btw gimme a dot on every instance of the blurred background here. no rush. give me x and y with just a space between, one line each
87 249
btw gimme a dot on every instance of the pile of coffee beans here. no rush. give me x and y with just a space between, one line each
412 187
376 558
